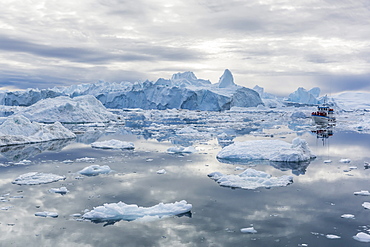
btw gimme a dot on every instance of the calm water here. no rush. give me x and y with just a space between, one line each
301 213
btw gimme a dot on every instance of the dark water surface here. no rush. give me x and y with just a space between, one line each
301 213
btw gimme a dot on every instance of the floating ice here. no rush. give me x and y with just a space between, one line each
362 237
366 205
94 170
327 161
162 171
82 109
345 160
47 214
362 193
248 230
273 150
347 216
122 211
332 236
33 178
113 144
61 190
86 159
20 130
250 179
174 150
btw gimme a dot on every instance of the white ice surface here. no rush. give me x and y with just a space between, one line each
362 237
347 216
61 190
34 178
362 193
174 150
94 170
123 211
332 236
250 179
113 144
47 214
248 230
273 150
20 130
82 109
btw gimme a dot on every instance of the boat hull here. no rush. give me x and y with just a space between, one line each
320 119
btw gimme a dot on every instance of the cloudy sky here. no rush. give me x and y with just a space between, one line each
277 44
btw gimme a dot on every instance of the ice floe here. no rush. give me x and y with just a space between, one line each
250 179
344 160
347 216
362 193
94 170
34 178
332 236
174 150
113 144
161 171
129 212
61 190
47 214
20 130
248 230
82 109
366 205
362 237
273 150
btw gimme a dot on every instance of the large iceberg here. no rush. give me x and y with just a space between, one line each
273 150
20 130
83 109
303 96
250 179
129 212
26 97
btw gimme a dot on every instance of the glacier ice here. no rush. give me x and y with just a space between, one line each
129 212
273 150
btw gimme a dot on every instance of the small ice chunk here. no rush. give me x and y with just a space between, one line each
250 179
47 214
113 144
33 178
175 150
86 159
67 161
327 161
248 230
362 193
162 171
345 160
362 237
94 170
348 216
366 205
332 236
61 190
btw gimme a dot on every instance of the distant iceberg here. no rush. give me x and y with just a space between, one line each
273 150
129 212
20 130
303 96
250 179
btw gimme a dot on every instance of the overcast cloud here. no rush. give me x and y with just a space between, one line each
277 44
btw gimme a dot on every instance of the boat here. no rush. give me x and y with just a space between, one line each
324 115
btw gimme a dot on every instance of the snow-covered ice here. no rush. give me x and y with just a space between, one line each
113 144
83 109
250 179
362 237
94 170
129 212
347 216
20 130
34 178
47 214
332 236
345 161
362 193
366 205
161 171
273 150
248 230
174 150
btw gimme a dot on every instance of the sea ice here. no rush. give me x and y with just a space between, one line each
94 170
347 216
61 190
47 214
248 230
20 130
362 193
332 236
175 150
122 211
82 109
162 171
273 150
345 160
34 178
250 179
113 144
362 237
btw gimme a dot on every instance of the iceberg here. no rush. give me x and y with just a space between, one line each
129 212
179 150
250 179
362 237
113 144
83 109
26 97
273 150
94 170
20 130
248 230
303 96
34 178
47 214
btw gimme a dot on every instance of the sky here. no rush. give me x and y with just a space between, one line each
279 45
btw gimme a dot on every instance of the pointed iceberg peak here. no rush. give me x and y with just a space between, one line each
226 80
